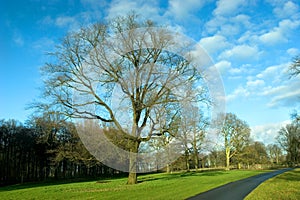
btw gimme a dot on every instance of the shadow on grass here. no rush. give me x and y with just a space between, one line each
141 179
177 175
52 182
293 175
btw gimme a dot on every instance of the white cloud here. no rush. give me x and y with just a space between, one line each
243 19
228 7
183 9
245 68
238 92
280 33
228 26
267 133
272 84
276 74
215 23
248 36
255 83
293 51
223 66
241 52
147 9
279 90
214 43
65 21
284 95
229 29
273 37
288 10
271 91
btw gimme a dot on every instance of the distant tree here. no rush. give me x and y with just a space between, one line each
254 153
289 138
275 153
235 134
295 66
193 126
217 158
101 57
261 155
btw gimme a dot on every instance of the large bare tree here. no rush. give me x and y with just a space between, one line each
123 73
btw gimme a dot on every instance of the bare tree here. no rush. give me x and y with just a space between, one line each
193 126
125 58
275 153
295 66
235 133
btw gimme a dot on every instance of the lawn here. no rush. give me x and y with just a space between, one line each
153 186
284 186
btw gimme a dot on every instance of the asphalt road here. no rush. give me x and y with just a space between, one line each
238 189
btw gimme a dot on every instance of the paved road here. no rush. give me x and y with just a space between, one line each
238 189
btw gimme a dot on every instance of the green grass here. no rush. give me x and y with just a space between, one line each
154 186
284 186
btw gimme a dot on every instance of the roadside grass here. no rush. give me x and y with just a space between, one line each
284 186
153 186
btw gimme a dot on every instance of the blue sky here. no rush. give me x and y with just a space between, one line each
252 43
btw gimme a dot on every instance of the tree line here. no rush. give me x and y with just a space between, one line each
46 147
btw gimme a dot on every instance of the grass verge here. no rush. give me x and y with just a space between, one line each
153 186
283 186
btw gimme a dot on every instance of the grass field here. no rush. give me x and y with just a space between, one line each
284 186
154 186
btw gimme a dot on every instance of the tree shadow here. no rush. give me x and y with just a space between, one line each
52 182
293 175
176 175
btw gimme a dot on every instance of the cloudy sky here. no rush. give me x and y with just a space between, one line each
252 43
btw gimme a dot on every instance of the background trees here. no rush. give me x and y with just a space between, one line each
289 139
44 149
193 130
275 153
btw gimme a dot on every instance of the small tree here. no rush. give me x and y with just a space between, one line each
128 57
235 133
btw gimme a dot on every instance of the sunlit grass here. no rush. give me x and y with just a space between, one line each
154 186
284 186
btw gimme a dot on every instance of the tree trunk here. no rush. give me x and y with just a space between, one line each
196 159
187 164
196 162
227 154
132 177
168 168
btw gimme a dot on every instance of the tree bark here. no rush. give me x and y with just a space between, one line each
132 176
